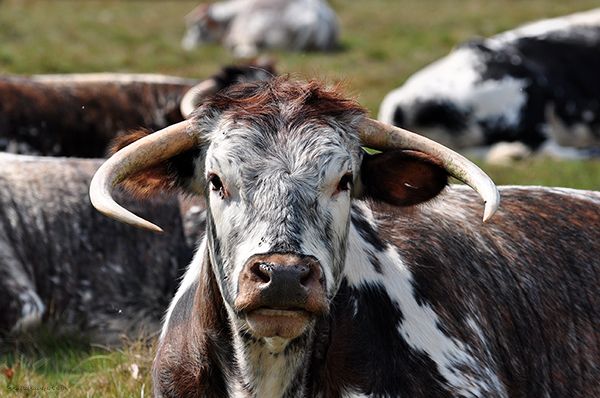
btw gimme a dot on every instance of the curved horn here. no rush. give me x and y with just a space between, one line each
189 102
383 136
146 152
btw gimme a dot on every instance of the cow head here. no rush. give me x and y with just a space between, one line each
279 163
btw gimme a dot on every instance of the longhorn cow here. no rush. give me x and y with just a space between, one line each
64 265
328 272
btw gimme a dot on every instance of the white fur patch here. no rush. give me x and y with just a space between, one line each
265 366
32 310
457 79
546 26
419 327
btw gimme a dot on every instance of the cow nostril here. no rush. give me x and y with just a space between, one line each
305 274
262 271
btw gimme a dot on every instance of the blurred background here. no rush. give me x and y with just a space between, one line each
382 42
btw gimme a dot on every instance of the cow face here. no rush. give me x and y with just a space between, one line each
461 100
279 165
278 181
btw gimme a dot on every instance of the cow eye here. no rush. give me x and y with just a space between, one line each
215 182
345 183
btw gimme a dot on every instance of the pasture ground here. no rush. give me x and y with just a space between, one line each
383 41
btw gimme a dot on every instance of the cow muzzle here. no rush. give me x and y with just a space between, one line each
280 294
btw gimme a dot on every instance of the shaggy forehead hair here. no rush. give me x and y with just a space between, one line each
279 102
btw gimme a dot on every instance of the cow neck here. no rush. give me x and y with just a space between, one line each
254 367
271 367
212 339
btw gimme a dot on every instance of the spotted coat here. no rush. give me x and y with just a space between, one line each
535 86
421 300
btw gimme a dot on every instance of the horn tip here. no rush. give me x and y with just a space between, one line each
156 228
147 225
490 209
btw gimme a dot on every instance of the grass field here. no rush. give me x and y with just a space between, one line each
384 41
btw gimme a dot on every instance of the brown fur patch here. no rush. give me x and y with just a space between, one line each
261 101
80 118
147 182
190 360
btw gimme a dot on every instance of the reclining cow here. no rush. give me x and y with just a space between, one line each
536 87
79 114
45 277
320 275
248 26
64 265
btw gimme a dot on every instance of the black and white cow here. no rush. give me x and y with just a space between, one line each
79 114
248 26
64 265
319 277
536 86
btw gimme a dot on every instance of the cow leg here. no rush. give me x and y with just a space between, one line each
21 306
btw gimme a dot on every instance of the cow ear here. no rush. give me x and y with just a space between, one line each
402 178
173 176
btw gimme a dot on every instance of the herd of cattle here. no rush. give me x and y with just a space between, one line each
62 262
315 269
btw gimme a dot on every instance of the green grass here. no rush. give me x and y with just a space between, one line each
574 174
384 41
41 364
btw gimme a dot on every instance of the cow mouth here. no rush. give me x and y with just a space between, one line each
287 323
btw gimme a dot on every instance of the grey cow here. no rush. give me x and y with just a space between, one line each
248 26
61 263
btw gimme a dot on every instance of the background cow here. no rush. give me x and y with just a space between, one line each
319 277
536 86
63 264
79 114
248 26
54 269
